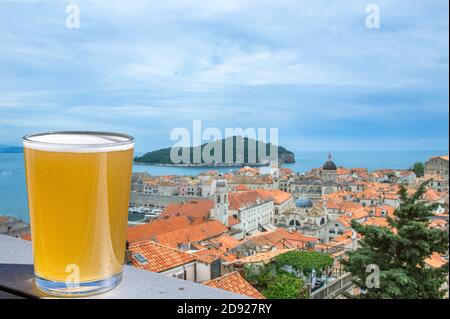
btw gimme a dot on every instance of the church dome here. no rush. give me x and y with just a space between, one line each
303 202
329 165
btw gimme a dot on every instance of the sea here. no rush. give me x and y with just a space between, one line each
13 194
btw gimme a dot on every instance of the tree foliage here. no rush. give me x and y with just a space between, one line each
305 261
400 252
284 286
419 169
162 156
276 282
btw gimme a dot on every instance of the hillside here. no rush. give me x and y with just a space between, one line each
162 156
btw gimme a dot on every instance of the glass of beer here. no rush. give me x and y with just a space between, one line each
78 191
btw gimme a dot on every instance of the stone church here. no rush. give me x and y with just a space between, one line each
314 187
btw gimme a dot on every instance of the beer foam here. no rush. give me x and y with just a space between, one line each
78 143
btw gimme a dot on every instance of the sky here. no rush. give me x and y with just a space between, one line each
312 69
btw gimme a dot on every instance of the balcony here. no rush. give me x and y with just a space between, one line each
16 279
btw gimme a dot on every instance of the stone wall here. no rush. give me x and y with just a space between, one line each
153 200
437 166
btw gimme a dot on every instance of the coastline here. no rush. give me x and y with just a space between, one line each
226 165
13 195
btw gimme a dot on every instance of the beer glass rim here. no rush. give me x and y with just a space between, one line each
128 139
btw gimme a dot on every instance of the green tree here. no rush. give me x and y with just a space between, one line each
419 169
305 261
259 275
285 286
400 251
274 280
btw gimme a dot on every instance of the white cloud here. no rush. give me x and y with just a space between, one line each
247 62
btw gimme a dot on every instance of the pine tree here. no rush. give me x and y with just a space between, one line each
399 251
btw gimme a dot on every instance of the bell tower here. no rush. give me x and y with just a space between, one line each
220 210
329 171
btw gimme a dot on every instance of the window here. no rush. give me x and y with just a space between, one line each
141 259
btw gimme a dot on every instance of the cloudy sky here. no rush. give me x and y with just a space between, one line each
312 69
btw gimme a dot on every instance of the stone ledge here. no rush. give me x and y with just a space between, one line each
16 279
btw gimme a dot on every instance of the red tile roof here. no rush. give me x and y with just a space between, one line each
211 254
195 209
242 188
217 248
243 200
26 237
234 282
280 238
431 195
233 221
435 261
157 227
192 234
441 157
225 242
159 257
264 257
377 221
278 196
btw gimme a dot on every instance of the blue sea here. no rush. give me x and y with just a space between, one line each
13 196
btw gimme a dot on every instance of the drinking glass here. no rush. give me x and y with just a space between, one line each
78 191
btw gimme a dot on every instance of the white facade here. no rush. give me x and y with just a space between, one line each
220 210
203 271
279 210
252 217
393 202
166 190
185 272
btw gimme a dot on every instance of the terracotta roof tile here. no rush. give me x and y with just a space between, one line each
243 200
192 234
233 221
431 195
234 282
225 241
442 157
158 257
377 221
242 188
264 257
157 227
26 237
280 238
195 209
278 196
209 255
435 261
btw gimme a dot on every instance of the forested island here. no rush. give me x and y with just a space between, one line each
163 156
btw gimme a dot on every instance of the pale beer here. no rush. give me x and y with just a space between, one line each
78 192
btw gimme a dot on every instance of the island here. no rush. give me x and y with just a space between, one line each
162 156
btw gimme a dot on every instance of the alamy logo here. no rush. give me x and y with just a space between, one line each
373 279
73 17
250 146
73 279
373 19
